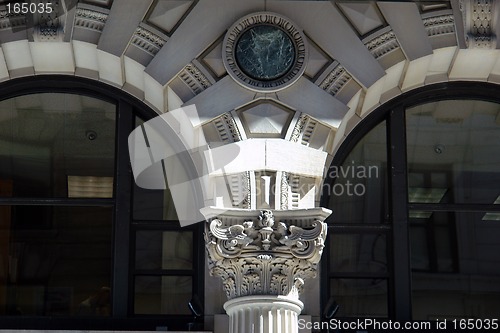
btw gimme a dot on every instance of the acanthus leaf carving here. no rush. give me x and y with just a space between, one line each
299 128
439 25
335 80
90 19
264 256
383 44
148 41
194 78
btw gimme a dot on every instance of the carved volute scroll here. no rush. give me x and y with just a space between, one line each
265 255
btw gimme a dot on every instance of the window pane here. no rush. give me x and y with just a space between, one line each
472 289
164 250
359 193
454 152
419 249
44 138
153 205
433 245
357 253
55 261
162 294
360 297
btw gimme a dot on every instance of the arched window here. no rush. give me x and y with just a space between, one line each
420 238
78 238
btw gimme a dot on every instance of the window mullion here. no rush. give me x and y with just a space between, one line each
73 202
454 207
400 227
123 190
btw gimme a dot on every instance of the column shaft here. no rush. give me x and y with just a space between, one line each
263 314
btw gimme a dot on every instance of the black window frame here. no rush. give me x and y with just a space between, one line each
122 317
398 243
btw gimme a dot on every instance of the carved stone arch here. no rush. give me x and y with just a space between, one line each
457 89
22 58
449 64
71 84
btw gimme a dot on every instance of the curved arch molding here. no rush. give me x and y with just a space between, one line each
23 58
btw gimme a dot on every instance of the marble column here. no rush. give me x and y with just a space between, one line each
263 314
264 258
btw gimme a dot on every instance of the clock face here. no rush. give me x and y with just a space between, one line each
265 52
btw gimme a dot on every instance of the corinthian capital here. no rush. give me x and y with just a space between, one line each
265 252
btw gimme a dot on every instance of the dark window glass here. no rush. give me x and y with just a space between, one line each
453 168
453 152
152 205
166 250
162 294
56 252
359 196
163 267
420 249
55 261
470 291
360 297
46 140
433 244
358 253
359 192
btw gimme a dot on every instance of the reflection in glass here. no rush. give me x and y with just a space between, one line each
472 289
360 297
358 253
359 193
432 236
419 249
164 250
153 205
90 187
162 294
55 261
493 216
454 147
46 137
157 205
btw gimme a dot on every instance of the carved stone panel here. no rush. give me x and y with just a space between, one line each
479 23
